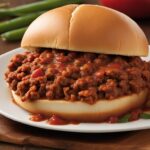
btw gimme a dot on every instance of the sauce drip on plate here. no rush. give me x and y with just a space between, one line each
52 120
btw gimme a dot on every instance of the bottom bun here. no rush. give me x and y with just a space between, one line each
81 111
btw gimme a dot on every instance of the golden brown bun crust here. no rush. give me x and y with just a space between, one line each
83 112
87 28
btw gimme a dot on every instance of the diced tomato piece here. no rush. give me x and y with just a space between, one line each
37 73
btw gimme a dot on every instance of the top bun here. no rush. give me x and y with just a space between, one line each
86 28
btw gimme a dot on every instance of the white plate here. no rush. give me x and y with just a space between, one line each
12 111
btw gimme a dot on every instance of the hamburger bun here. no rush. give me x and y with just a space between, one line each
86 28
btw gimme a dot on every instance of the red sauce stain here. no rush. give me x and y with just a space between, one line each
135 115
113 119
55 120
38 117
52 120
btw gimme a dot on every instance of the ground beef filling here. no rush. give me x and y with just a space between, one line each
76 76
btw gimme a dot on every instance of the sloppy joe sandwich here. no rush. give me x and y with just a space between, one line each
81 63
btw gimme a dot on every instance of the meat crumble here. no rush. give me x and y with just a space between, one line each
76 76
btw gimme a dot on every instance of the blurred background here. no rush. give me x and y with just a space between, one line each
16 15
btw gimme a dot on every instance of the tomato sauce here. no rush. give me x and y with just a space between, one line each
38 117
113 119
135 115
55 120
52 120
